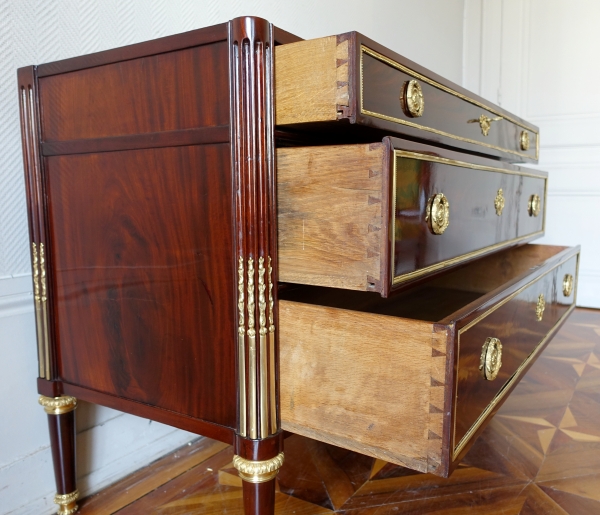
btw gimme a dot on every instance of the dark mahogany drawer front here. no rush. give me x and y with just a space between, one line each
322 84
484 205
446 113
377 216
520 322
416 355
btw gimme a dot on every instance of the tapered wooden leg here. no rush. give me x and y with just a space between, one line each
61 423
259 498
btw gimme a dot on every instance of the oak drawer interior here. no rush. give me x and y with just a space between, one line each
386 377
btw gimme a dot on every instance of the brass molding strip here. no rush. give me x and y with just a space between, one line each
241 349
398 279
258 471
394 64
458 448
38 311
58 405
253 395
263 331
272 394
44 298
465 164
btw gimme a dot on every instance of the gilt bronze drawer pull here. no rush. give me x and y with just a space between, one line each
414 103
491 358
485 122
568 285
524 140
540 307
499 202
534 205
438 213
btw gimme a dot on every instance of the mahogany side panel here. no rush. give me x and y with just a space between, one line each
164 92
193 38
143 283
164 416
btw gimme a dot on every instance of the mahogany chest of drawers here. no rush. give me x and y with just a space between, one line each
237 232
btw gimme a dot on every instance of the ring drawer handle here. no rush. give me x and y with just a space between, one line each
499 202
438 213
540 307
485 122
414 102
491 359
534 205
567 285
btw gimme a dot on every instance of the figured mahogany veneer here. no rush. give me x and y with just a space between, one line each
399 378
322 84
355 216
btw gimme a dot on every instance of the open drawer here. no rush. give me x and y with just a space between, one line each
350 83
377 216
413 379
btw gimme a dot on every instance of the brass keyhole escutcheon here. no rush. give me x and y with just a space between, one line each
524 140
438 213
499 202
540 307
534 205
567 285
414 102
491 359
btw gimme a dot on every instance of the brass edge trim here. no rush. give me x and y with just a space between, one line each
44 298
398 279
252 379
258 471
272 394
412 73
511 296
481 317
241 349
58 405
262 320
464 164
504 389
38 310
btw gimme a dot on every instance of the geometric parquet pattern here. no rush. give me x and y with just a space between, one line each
540 455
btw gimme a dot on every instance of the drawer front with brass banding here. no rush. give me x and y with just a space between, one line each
349 77
413 379
377 216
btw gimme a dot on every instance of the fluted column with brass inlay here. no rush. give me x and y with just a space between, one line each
258 442
61 423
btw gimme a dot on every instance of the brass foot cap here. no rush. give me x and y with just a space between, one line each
67 504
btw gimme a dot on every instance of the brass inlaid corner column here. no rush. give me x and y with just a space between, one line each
258 447
61 423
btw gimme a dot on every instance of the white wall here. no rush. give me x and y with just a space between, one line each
540 59
35 31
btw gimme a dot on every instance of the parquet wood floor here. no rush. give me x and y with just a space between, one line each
540 455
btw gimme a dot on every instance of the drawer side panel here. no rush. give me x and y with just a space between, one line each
330 215
363 382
